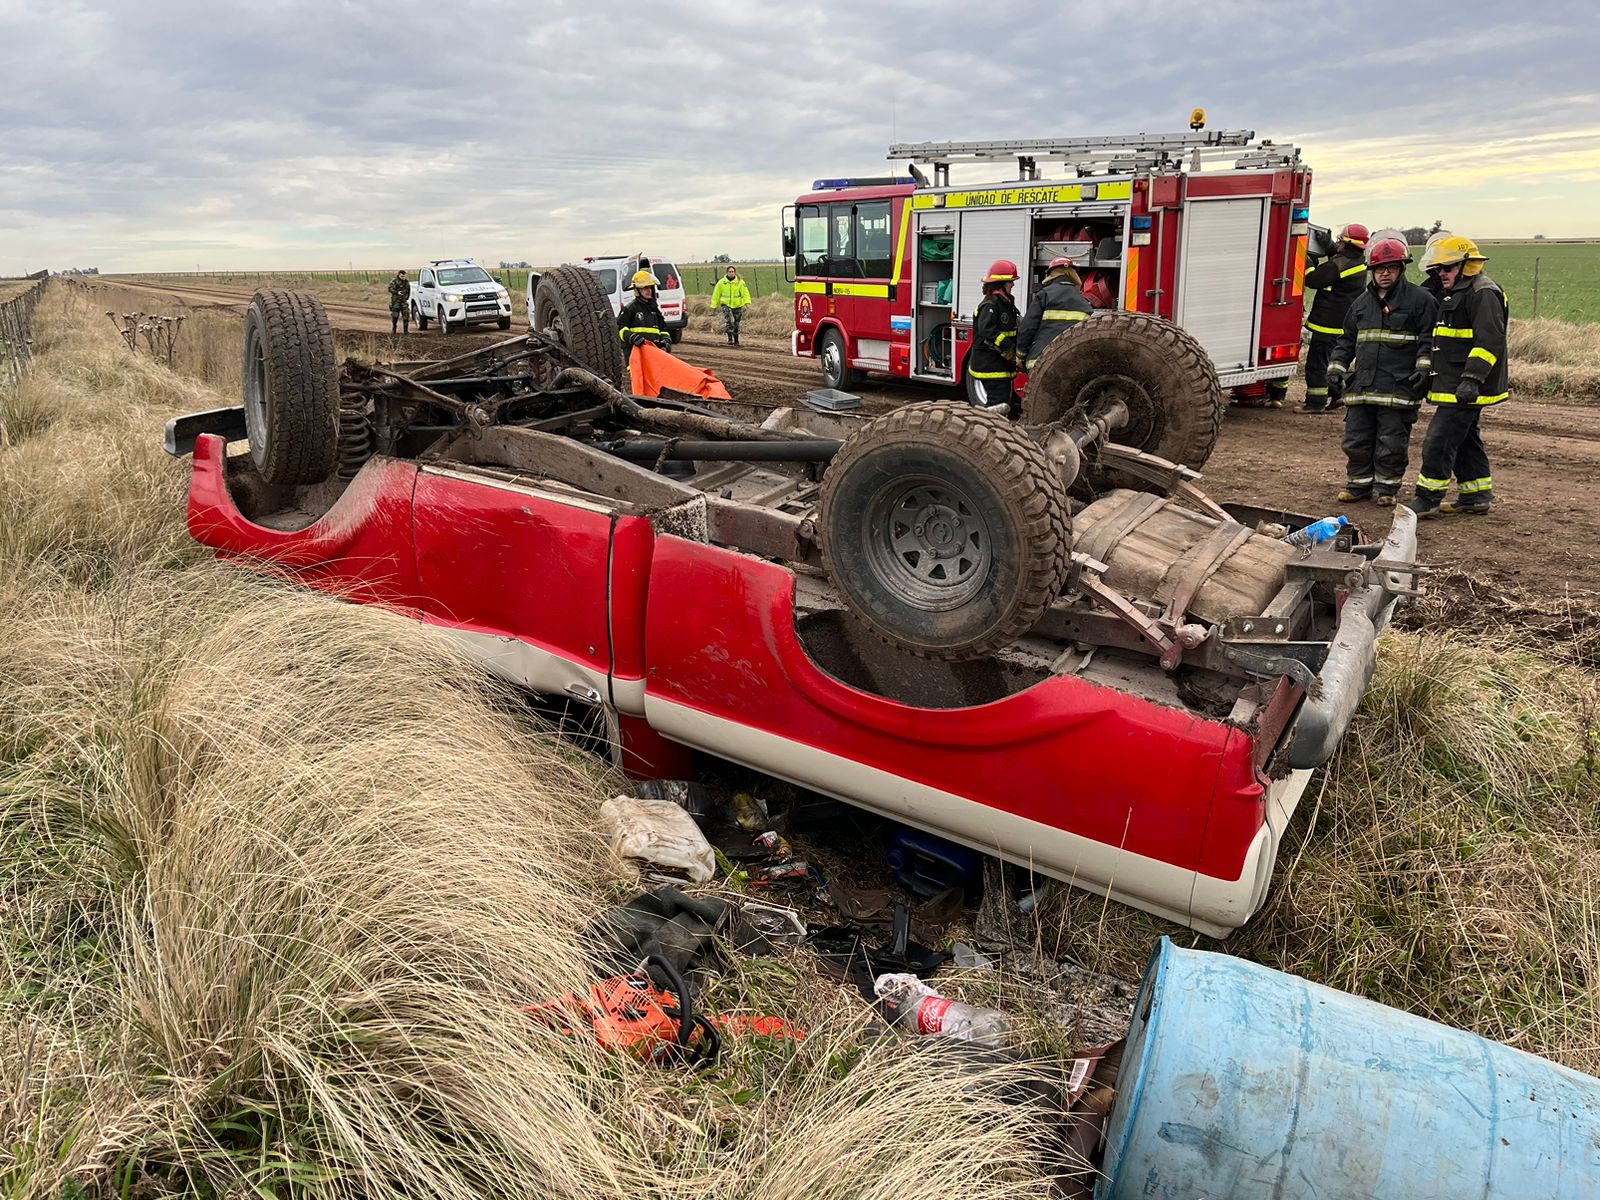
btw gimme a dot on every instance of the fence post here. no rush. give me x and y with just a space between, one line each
1535 285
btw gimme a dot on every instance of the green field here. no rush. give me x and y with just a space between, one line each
1569 278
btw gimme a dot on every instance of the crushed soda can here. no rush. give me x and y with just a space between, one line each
774 844
786 871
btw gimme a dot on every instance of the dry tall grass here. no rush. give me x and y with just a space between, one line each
1446 862
276 874
1555 359
766 316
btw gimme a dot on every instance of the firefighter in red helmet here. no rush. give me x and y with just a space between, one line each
1058 305
992 364
1338 280
1380 365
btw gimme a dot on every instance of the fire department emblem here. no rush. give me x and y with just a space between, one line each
805 308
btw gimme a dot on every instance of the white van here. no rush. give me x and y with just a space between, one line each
616 271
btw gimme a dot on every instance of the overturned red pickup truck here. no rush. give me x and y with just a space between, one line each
1041 639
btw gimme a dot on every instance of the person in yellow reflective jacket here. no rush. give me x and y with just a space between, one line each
1338 280
1056 307
1469 373
733 297
641 321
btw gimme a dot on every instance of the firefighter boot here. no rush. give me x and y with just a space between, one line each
1347 496
1277 392
1465 508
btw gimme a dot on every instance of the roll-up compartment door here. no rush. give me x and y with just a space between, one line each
1219 281
986 236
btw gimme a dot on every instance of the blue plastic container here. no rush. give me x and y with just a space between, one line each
926 865
1240 1081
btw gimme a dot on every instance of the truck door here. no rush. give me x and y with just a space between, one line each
520 573
427 292
1219 277
984 236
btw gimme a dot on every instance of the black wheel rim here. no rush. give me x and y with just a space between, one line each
927 543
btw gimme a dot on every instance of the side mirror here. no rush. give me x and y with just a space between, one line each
788 241
428 283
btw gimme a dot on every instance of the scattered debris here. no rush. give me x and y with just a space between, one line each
658 832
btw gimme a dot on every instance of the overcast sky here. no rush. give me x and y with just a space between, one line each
173 134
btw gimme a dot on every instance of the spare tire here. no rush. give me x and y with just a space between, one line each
571 306
291 388
946 529
1162 374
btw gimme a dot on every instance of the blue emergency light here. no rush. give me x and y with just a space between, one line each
1301 214
1141 223
826 185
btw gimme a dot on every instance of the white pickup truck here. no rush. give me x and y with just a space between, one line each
457 292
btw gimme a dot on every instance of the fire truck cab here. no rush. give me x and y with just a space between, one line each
1205 229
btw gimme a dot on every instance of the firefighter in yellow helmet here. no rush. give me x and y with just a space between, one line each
641 321
1469 373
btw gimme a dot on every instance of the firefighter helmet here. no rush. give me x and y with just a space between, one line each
1355 234
1452 249
642 279
1388 251
1064 267
1001 270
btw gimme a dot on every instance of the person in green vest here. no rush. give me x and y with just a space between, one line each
732 297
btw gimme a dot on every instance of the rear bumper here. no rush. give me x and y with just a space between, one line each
1230 379
1343 680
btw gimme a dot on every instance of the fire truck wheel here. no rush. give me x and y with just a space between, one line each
570 306
1164 376
836 369
946 529
291 388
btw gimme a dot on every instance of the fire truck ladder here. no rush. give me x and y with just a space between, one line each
1117 154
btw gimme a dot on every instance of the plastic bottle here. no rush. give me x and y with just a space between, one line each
917 1008
1317 531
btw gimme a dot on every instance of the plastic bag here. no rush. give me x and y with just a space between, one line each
658 832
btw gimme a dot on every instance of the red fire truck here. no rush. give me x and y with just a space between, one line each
1206 229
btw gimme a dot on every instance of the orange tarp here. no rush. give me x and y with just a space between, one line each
653 370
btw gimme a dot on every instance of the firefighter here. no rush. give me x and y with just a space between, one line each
1058 305
1338 280
399 302
731 294
1469 374
1379 368
992 363
641 321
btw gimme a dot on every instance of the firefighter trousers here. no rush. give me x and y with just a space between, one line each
1454 446
1377 442
1317 356
992 393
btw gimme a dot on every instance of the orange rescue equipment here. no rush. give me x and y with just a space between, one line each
654 370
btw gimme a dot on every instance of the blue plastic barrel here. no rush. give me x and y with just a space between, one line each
1240 1081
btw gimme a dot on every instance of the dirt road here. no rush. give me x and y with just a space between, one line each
1535 548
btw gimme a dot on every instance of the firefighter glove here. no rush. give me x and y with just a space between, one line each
636 339
1467 391
1417 380
1335 386
664 341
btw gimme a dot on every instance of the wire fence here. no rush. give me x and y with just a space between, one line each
16 333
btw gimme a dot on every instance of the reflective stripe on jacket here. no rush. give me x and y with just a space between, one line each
641 316
1384 342
994 338
1469 341
1058 304
731 292
1338 280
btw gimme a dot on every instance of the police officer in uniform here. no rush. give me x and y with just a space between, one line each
1380 369
1469 375
1338 280
399 302
1058 305
992 363
641 320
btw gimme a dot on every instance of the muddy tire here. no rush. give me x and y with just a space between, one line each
836 369
946 529
571 306
1160 372
291 388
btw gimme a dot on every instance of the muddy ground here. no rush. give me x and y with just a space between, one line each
1533 561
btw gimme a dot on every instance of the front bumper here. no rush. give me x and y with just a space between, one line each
1330 706
476 314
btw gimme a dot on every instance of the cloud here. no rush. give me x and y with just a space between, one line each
297 134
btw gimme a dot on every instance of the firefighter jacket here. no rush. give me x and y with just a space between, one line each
1386 341
731 292
1338 280
1058 305
1469 341
399 293
994 339
641 317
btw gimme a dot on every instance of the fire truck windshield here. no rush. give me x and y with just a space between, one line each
844 240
